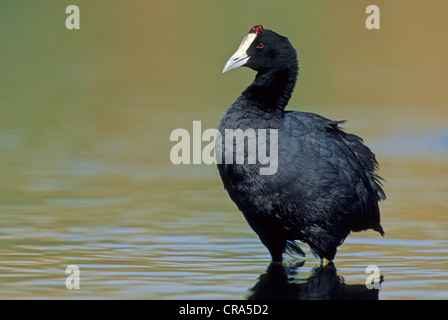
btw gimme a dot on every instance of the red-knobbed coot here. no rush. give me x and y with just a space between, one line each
325 185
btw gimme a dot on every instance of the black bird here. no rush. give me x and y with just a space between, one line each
325 185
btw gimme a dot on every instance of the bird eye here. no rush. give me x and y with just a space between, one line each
260 46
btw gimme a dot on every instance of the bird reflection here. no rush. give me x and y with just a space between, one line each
280 282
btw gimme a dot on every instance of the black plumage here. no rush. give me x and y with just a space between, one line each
326 184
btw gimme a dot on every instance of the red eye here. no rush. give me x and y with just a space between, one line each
260 46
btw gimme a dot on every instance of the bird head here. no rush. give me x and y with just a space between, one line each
262 50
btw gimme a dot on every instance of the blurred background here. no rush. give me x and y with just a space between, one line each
86 117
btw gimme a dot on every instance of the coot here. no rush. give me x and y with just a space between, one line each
325 185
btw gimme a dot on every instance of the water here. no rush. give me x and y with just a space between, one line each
137 230
86 180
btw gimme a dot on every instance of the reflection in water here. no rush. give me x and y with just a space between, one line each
282 283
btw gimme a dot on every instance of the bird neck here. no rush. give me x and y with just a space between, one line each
271 90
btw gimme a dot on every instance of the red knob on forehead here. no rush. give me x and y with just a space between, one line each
257 29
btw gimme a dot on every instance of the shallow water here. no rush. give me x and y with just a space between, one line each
137 230
86 179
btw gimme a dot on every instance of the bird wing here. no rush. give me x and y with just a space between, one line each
332 172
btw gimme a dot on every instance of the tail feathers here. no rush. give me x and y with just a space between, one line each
379 228
292 249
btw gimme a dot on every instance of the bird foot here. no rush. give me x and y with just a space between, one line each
324 262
